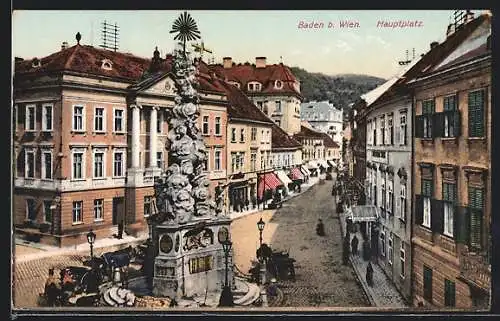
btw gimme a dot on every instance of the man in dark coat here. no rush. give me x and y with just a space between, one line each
354 245
345 251
369 274
320 228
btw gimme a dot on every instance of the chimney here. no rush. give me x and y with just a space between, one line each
227 62
64 45
434 44
260 62
450 30
469 16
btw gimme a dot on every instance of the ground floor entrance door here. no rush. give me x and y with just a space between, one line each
118 209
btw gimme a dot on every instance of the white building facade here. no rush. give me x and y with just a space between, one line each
389 186
324 117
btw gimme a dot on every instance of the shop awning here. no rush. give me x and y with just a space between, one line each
323 163
363 213
283 177
268 181
295 173
312 165
305 170
332 164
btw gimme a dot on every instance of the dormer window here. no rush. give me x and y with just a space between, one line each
278 84
254 86
36 63
107 64
235 84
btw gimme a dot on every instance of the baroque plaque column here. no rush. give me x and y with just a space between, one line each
188 229
136 130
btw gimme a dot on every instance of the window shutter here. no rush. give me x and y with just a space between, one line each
419 126
21 163
419 210
398 206
438 125
457 124
38 116
437 211
21 115
460 225
38 163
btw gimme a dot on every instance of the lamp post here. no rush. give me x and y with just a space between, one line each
91 239
263 268
226 298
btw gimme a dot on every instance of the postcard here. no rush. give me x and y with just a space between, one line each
175 160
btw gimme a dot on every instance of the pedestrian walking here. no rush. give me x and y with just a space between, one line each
320 228
345 251
354 245
369 274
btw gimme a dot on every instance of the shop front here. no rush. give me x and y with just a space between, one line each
238 196
268 185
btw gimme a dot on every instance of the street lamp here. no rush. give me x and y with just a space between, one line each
226 298
91 239
260 226
263 268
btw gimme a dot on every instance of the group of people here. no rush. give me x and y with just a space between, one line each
58 290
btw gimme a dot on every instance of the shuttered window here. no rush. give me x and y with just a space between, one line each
428 109
476 110
449 293
428 284
451 119
427 187
476 203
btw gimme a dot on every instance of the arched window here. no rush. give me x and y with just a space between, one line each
107 64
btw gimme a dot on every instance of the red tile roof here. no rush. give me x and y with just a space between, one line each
241 107
306 132
88 60
245 73
329 142
280 139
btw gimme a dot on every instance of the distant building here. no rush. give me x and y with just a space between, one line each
313 149
324 117
273 88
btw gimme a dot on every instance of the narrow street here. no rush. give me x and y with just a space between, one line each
321 279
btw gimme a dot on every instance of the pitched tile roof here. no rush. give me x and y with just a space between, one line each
329 142
306 132
142 72
280 139
432 58
241 107
245 73
88 59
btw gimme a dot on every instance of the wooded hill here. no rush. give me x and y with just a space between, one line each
341 90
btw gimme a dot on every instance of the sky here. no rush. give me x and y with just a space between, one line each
243 35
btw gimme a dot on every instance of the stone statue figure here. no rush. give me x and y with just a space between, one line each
183 192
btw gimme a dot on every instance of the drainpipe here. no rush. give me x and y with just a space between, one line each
412 178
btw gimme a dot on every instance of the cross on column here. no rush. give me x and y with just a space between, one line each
201 48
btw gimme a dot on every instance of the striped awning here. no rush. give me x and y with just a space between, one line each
283 177
332 164
296 173
312 165
305 170
323 163
268 181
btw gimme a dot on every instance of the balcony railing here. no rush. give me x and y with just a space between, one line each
476 269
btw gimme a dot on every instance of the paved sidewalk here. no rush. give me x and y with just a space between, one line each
383 293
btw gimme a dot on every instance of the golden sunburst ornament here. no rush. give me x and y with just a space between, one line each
186 29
